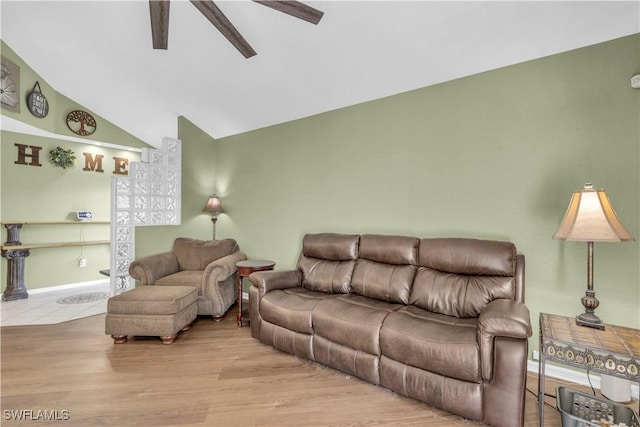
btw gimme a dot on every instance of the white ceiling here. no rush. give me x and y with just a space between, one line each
99 53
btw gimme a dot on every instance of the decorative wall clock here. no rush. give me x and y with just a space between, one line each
37 102
81 123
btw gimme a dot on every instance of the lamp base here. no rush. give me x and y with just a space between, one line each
590 303
590 320
214 219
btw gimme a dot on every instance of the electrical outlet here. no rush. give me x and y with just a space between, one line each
82 262
536 355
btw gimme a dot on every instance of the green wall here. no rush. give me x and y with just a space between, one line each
47 193
59 107
495 155
198 183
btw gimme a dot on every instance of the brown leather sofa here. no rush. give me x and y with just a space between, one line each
207 265
440 320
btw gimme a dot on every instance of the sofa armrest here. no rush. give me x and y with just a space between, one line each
500 318
218 271
149 269
267 281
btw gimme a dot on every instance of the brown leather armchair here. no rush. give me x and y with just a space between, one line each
208 265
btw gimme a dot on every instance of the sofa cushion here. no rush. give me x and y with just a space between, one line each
194 254
399 250
182 278
351 320
291 308
385 282
327 261
468 256
332 277
457 295
331 246
152 300
384 269
441 344
459 277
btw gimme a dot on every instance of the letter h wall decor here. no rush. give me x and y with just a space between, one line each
149 195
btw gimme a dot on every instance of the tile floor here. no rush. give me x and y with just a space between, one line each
42 308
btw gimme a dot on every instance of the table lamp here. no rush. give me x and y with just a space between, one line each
214 207
591 218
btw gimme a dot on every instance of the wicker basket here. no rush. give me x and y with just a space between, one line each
585 410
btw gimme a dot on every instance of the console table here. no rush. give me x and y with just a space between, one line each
613 351
15 252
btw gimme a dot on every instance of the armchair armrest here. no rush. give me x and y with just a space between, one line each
149 269
500 318
267 281
219 271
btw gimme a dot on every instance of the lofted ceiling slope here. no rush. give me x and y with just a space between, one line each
99 53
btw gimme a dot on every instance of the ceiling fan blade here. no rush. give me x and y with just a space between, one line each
159 10
222 23
294 8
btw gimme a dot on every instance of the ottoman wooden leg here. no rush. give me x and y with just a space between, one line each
119 339
186 328
168 339
217 317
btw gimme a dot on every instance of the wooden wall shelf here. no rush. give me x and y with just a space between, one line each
54 245
16 252
53 222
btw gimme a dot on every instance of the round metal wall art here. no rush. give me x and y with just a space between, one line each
37 102
81 123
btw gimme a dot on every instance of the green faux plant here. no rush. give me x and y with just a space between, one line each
61 157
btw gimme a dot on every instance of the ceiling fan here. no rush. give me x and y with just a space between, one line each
159 10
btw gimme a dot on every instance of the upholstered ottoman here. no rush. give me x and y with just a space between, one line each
151 311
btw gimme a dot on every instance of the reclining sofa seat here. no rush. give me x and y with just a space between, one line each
439 320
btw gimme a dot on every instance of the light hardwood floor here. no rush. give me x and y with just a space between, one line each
215 374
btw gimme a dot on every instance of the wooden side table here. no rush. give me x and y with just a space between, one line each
245 268
613 351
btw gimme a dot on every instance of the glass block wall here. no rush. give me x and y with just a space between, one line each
149 195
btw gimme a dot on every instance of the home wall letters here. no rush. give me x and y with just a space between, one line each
29 155
34 156
94 164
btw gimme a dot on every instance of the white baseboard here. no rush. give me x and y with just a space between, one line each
68 286
576 377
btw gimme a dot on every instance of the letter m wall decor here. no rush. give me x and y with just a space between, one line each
149 195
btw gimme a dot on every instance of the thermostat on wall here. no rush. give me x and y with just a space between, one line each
84 215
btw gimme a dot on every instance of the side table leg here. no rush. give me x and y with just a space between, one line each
541 388
239 317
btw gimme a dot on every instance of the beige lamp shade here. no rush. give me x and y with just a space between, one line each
591 218
213 205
